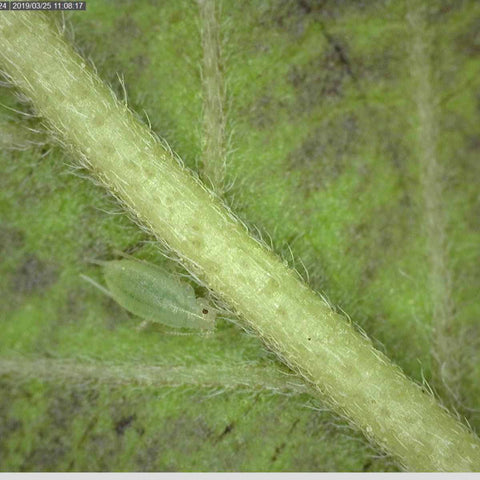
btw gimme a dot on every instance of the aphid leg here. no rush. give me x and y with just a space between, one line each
143 326
95 262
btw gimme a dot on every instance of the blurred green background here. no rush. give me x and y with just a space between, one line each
353 147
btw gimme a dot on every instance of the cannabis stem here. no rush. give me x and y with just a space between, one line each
358 381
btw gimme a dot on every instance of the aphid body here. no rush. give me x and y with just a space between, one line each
155 295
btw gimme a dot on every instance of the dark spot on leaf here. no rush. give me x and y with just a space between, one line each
278 450
384 233
292 15
227 430
367 465
11 239
184 433
442 9
75 305
281 447
322 79
262 113
34 275
9 425
322 157
52 436
123 424
141 61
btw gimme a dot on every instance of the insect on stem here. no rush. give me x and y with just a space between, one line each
153 294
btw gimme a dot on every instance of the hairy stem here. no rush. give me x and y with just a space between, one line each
213 157
225 377
358 381
13 137
445 347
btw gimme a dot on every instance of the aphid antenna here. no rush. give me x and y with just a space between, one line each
96 261
119 253
95 284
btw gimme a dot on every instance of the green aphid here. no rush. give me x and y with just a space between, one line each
155 295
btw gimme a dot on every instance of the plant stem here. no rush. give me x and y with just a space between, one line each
224 377
446 346
358 381
213 157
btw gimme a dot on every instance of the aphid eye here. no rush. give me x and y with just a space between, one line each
204 311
